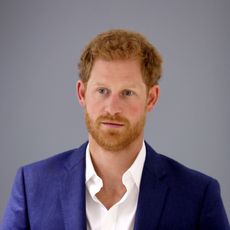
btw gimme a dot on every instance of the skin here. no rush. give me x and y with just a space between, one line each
115 88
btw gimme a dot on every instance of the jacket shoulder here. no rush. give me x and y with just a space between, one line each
176 173
55 163
179 170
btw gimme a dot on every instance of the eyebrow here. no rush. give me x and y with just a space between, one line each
98 84
130 86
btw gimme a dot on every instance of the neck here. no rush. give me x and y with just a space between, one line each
110 165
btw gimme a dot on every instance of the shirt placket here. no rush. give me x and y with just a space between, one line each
111 219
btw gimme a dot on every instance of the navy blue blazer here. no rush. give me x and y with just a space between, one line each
50 194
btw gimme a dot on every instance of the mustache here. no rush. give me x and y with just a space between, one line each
112 118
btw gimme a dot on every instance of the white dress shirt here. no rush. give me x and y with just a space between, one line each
122 214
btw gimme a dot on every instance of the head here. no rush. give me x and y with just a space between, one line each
122 45
119 72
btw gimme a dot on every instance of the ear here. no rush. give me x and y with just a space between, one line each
80 91
153 96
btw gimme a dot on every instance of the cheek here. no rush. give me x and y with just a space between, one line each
93 108
136 110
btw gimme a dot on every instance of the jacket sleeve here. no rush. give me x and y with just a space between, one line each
213 215
16 215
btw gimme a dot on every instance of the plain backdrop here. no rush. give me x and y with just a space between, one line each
40 43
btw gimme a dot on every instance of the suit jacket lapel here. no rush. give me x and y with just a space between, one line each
152 193
72 191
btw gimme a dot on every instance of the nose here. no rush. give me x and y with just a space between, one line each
113 105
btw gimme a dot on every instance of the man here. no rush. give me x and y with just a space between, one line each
115 180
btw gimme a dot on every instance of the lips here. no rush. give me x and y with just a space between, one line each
112 124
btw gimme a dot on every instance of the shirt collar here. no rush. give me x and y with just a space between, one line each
135 170
90 171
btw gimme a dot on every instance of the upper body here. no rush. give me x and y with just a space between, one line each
118 86
50 194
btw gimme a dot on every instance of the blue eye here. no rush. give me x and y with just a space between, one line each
103 91
127 93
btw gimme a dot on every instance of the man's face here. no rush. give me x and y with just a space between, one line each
116 102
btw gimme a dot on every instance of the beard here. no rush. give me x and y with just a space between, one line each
113 139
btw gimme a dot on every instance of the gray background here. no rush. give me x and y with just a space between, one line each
40 42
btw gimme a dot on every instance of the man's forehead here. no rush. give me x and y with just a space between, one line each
126 69
119 73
